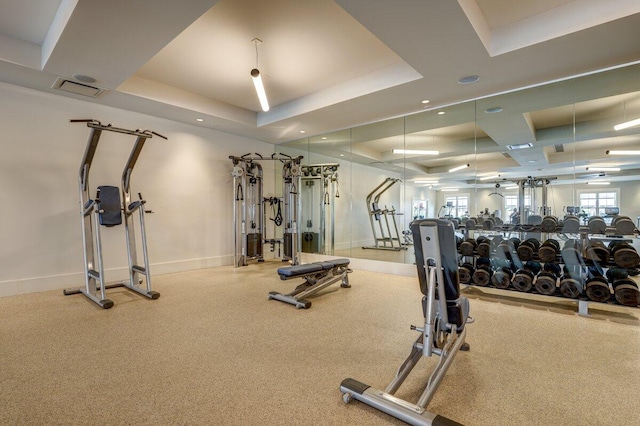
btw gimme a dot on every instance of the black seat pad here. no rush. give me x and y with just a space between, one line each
311 268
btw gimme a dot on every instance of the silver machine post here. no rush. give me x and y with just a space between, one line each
94 214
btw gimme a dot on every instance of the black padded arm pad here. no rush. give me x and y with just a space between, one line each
110 206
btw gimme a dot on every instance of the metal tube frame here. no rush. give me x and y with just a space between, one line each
90 211
241 207
436 324
373 198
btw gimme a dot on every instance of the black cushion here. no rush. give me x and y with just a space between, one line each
110 206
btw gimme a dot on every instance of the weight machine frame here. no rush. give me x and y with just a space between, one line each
90 210
375 215
247 171
327 174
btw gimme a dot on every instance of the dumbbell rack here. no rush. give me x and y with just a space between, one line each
581 299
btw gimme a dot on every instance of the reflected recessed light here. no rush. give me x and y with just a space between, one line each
324 138
623 152
493 110
520 146
532 161
440 112
627 124
604 169
415 151
490 177
341 155
426 101
455 169
303 131
470 79
200 119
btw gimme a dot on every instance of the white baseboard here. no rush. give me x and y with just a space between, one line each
59 282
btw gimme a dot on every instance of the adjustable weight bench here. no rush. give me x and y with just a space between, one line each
445 315
317 276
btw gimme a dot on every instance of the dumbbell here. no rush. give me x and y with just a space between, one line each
527 248
596 251
482 274
614 274
547 279
465 272
549 224
623 224
503 271
626 292
597 287
522 280
624 254
549 250
470 223
571 224
572 253
488 224
597 225
484 246
571 281
467 247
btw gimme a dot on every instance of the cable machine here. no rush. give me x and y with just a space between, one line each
106 209
387 236
539 203
249 213
319 192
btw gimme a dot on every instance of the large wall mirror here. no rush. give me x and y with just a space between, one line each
468 160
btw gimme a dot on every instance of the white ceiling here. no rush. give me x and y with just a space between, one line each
327 65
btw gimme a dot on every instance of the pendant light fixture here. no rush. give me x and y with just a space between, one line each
257 81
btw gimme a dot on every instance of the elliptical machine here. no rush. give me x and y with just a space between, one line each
107 209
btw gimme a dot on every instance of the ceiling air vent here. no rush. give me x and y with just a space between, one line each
77 88
559 148
506 155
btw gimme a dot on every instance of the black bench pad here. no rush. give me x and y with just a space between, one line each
310 268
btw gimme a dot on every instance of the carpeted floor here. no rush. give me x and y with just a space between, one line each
214 351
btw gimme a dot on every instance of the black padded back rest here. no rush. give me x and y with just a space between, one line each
110 205
448 255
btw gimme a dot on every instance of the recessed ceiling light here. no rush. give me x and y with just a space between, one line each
470 79
520 146
341 155
324 138
426 101
440 112
493 110
532 161
303 131
200 119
